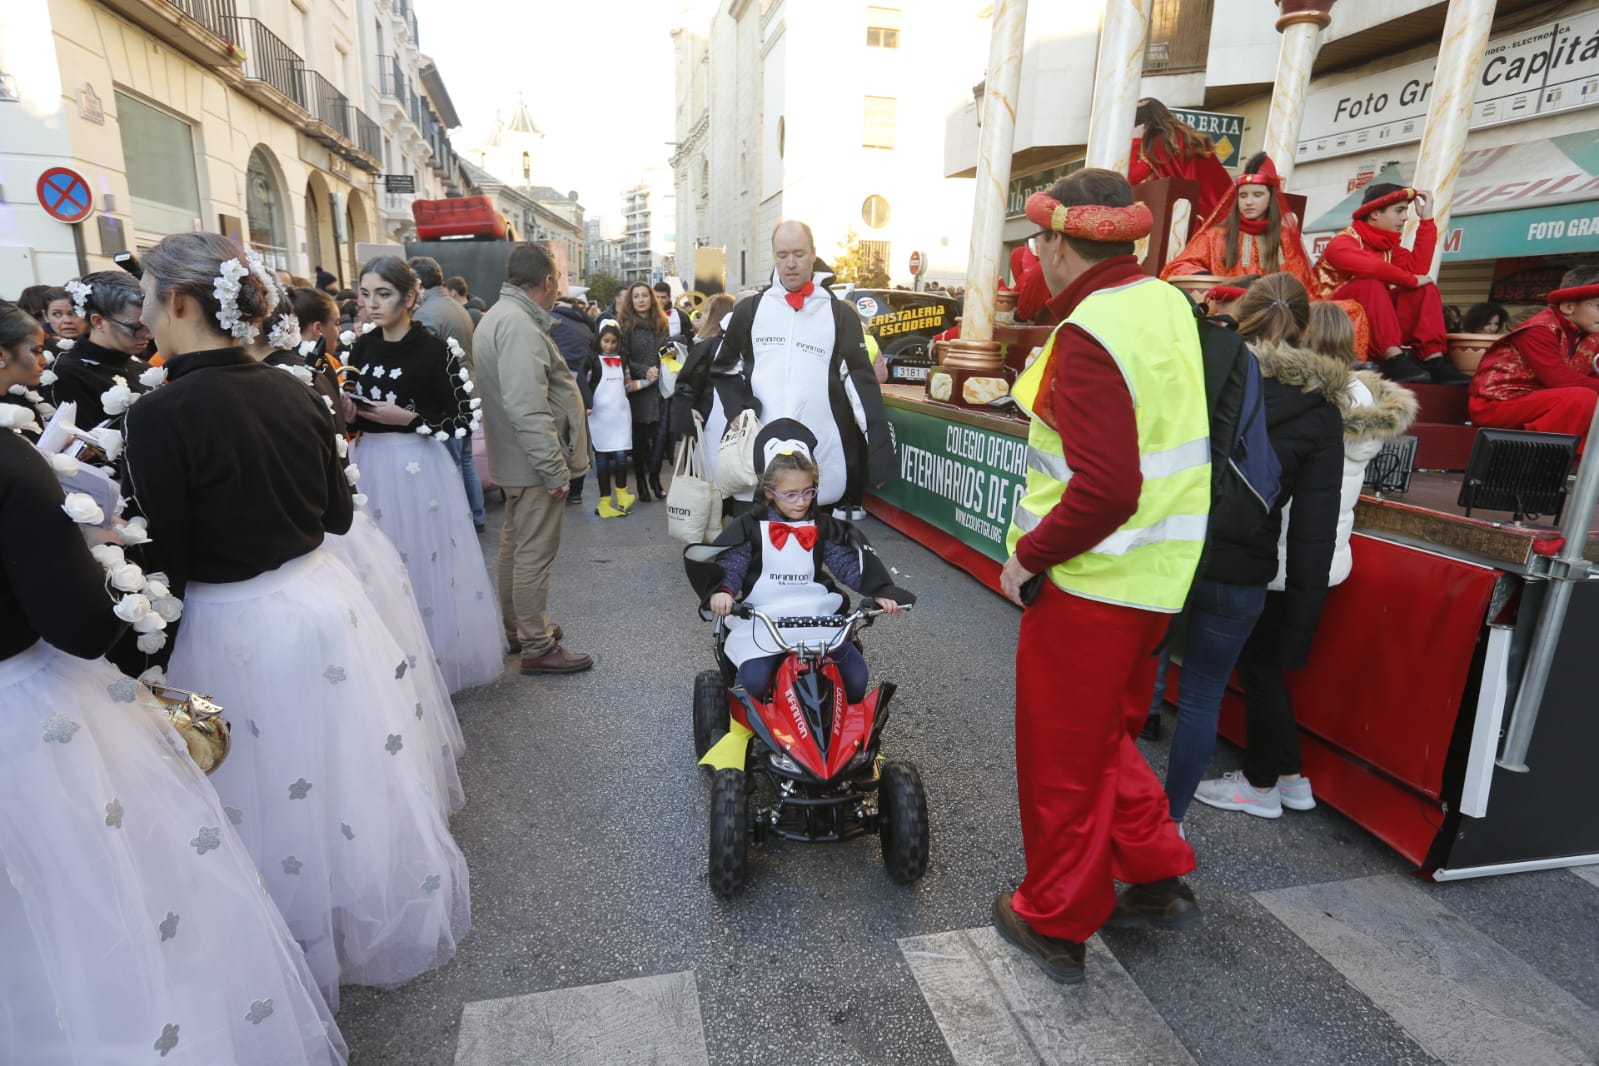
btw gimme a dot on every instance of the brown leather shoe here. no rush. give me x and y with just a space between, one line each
556 661
1167 904
513 644
1061 960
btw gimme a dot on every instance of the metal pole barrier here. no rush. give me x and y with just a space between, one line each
1565 569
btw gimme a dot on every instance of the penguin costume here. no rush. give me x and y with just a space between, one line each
788 567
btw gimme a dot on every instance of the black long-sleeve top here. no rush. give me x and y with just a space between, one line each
323 381
51 588
88 370
233 464
416 372
694 392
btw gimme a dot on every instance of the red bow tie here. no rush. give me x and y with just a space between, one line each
778 533
796 300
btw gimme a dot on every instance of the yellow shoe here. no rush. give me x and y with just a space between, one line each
605 510
625 499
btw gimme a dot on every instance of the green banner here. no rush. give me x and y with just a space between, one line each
961 479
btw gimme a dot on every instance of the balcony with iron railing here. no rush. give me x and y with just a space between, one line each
200 29
1179 36
329 107
369 139
268 61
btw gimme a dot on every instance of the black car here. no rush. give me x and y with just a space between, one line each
904 324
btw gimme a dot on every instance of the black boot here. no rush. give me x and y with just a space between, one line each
1445 372
1404 370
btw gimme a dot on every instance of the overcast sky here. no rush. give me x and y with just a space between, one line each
597 74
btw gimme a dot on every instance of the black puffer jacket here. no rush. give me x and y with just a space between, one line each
1303 396
693 391
574 336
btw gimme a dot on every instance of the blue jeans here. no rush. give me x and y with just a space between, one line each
1220 619
461 452
756 674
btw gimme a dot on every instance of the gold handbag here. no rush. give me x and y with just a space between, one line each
199 722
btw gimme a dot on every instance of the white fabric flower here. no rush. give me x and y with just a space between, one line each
65 344
413 467
302 374
464 374
340 444
170 608
285 334
347 337
468 386
149 623
359 499
307 348
109 441
18 390
395 373
156 375
225 287
127 577
116 399
440 435
150 643
48 378
328 403
80 291
475 402
389 396
368 327
81 508
154 676
134 531
377 371
132 608
108 555
63 465
460 432
352 473
424 430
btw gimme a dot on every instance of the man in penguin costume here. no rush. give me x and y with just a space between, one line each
793 351
784 559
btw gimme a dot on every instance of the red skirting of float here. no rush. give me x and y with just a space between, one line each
936 541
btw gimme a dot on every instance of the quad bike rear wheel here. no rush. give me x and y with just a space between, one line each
730 832
902 822
710 710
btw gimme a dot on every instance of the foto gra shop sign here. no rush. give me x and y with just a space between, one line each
1539 71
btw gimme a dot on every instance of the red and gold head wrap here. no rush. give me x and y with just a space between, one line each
1224 294
1266 175
1574 295
1368 208
1090 222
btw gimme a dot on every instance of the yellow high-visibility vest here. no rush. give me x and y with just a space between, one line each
1148 328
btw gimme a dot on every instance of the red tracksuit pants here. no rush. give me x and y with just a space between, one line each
1560 410
1092 809
1400 318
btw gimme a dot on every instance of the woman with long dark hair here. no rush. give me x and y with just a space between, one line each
235 466
1164 146
644 330
414 393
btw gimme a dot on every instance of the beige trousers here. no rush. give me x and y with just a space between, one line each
528 543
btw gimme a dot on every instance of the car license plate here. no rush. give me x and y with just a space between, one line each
910 373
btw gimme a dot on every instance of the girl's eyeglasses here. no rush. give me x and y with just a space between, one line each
799 496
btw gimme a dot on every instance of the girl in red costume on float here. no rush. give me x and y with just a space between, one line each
1164 146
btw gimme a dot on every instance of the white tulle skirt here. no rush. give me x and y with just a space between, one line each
415 496
133 924
331 783
375 562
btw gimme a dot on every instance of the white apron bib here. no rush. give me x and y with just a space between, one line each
611 424
786 588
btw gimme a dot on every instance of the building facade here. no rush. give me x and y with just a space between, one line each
830 112
1529 181
649 218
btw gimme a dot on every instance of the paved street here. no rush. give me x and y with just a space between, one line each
596 941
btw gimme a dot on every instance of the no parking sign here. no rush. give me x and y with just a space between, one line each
65 195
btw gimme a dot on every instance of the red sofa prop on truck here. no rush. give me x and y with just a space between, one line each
463 216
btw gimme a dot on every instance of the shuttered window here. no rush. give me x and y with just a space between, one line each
881 115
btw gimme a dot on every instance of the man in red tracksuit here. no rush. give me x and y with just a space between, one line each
1541 376
1091 808
1368 264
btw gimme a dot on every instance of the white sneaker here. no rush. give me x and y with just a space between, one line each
841 513
1233 792
1295 794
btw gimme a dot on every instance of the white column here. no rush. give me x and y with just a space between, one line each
1117 73
993 167
1454 86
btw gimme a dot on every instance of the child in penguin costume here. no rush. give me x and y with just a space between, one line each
773 558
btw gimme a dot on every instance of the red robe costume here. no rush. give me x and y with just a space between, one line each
1539 377
1148 162
1369 266
1091 808
1207 252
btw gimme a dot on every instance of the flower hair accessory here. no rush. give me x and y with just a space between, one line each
1090 222
285 335
226 289
80 291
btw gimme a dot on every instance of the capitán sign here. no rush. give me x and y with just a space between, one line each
1539 71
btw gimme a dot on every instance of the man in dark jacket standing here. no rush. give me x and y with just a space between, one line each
570 329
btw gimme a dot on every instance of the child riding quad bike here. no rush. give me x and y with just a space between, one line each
785 722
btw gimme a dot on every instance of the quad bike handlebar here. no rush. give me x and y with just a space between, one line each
844 623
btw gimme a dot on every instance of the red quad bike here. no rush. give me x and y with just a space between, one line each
813 772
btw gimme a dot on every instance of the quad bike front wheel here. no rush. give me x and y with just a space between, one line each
902 822
730 832
710 710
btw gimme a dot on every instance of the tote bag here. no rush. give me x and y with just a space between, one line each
735 456
693 502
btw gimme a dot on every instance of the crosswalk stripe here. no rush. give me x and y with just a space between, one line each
1589 873
641 1020
995 1007
1458 993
